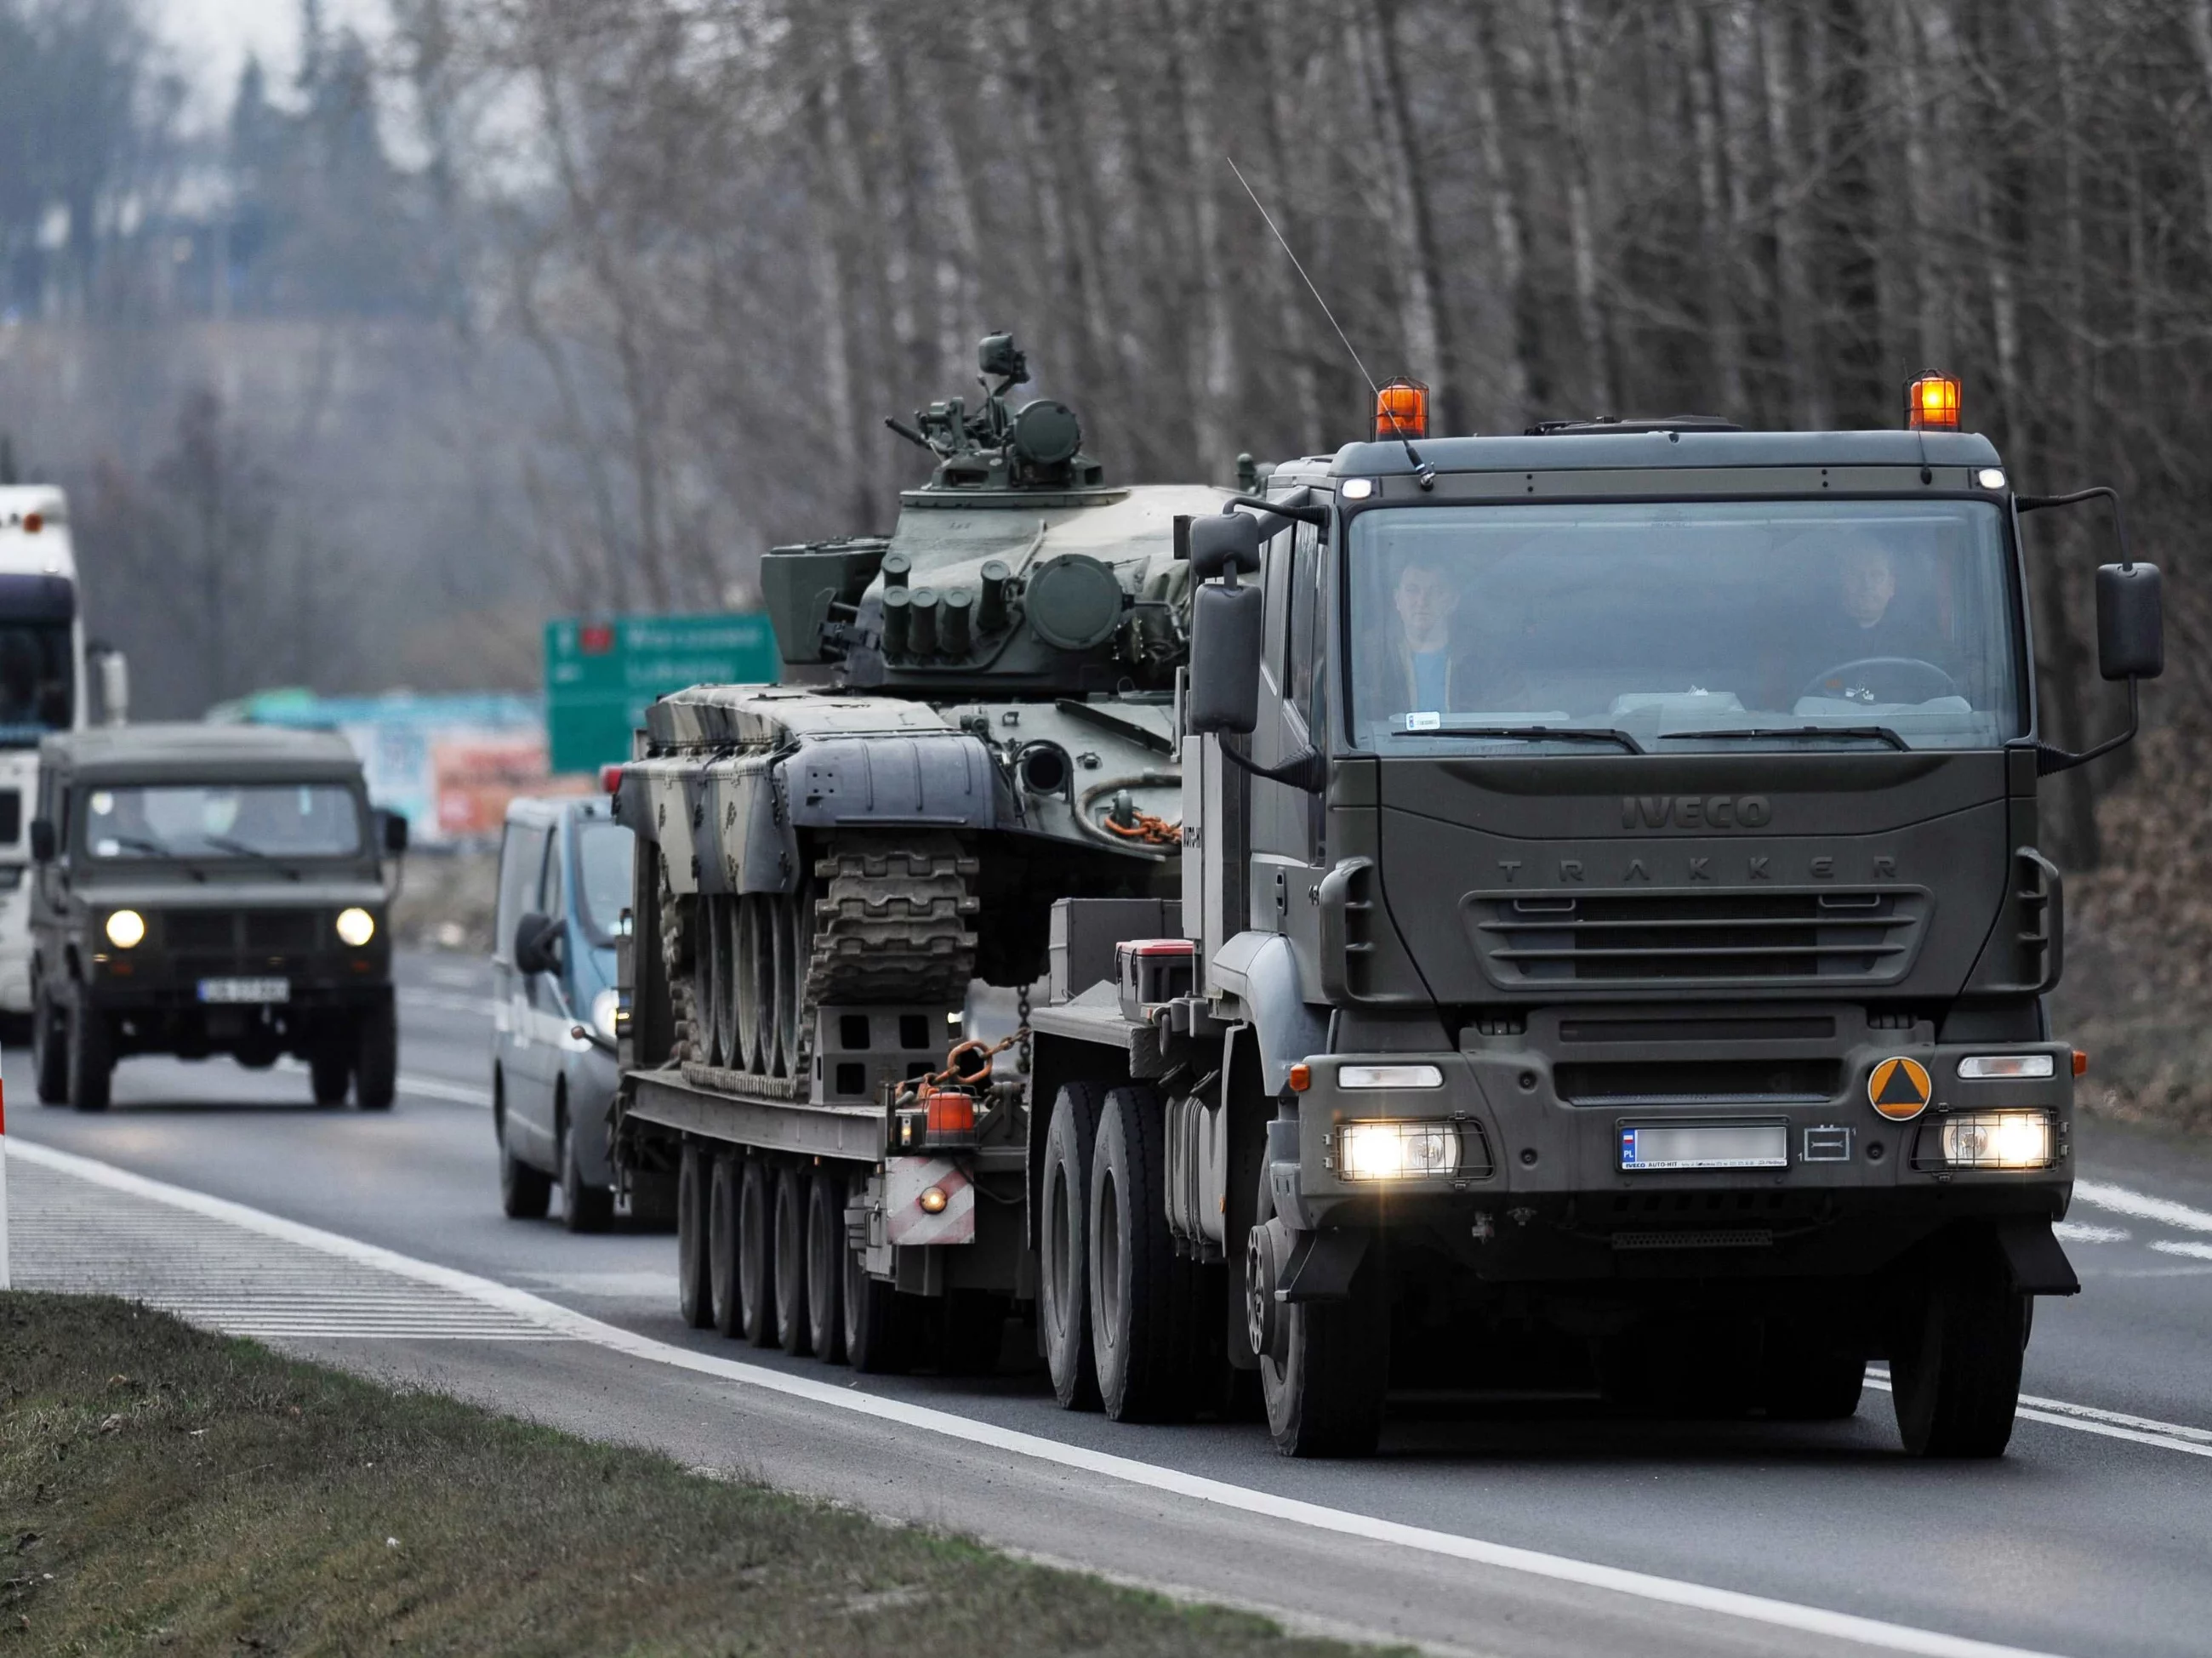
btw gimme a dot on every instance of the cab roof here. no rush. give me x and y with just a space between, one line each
1603 450
179 751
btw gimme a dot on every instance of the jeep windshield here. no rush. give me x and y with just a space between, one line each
231 820
1715 625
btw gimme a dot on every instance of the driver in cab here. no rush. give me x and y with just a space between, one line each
1876 648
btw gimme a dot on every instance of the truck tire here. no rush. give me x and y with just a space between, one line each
330 1071
584 1207
524 1191
876 1333
694 1298
1954 1373
725 1263
825 1267
757 1253
49 1049
91 1058
1805 1377
376 1060
793 1332
1324 1394
1064 1245
1140 1292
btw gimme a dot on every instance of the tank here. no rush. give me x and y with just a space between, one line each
990 726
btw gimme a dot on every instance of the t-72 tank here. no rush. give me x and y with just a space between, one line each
994 730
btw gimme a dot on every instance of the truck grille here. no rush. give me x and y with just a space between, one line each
260 931
1828 936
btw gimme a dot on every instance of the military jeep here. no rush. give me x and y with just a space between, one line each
203 890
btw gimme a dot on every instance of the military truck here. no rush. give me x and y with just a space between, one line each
203 890
1608 950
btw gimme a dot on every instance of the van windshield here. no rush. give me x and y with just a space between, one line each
603 855
222 820
1665 626
36 685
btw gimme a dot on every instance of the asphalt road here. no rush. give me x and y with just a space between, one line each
2093 1536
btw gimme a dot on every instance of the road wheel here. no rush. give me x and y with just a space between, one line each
875 1324
1955 1372
330 1071
1325 1366
794 1334
1808 1378
91 1058
1140 1292
693 1300
725 1243
523 1191
1064 1245
585 1207
825 1267
729 993
757 1251
790 967
376 1060
49 1049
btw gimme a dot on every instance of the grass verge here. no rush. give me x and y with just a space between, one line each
163 1488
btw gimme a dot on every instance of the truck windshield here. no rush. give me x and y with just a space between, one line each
36 693
215 820
603 855
1673 626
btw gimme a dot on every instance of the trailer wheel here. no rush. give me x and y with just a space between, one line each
825 1267
757 1251
1955 1372
693 1300
1064 1245
1140 1293
794 1334
875 1324
725 1240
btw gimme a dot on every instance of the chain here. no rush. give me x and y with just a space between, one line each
1021 1012
1147 828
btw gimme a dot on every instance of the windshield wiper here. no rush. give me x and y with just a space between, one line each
1536 734
1876 733
156 848
239 849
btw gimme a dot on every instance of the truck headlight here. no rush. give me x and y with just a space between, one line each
126 928
604 1006
356 927
2009 1067
1998 1139
1397 1151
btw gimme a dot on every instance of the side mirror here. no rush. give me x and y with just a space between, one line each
44 843
537 944
391 826
1224 656
2130 626
1223 543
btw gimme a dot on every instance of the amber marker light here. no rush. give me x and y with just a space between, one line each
1402 410
933 1200
1931 403
1301 1078
2080 1062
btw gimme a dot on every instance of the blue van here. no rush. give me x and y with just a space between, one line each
564 871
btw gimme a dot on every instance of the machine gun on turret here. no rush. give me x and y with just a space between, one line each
1036 446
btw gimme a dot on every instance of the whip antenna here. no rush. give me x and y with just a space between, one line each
1423 472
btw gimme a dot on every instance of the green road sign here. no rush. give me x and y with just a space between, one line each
600 676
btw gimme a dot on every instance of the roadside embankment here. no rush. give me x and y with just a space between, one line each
161 1488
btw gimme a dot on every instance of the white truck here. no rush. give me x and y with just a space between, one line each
44 687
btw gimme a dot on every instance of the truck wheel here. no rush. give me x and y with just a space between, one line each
523 1191
584 1207
376 1060
49 1049
91 1058
875 1324
793 1332
1325 1394
757 1253
1140 1294
1064 1245
1955 1374
825 1267
1807 1378
693 1300
725 1262
330 1071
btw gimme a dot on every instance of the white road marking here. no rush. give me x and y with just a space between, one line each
2090 1419
429 1087
445 1001
2074 1231
2176 1246
521 1304
2141 1205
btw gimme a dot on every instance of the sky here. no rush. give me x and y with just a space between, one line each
213 38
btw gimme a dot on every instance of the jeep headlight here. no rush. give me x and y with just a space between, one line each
356 927
1397 1151
1998 1139
126 928
605 1007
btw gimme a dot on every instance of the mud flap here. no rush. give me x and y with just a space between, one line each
2038 1266
1321 1266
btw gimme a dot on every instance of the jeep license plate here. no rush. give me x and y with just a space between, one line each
1705 1145
246 990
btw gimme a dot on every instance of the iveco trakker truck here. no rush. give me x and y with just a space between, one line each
1607 947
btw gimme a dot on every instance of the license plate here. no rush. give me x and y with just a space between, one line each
1705 1145
246 990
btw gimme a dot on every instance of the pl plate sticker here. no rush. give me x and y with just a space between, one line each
1898 1087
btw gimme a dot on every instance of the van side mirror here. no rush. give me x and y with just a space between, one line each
2131 624
537 944
392 828
1224 658
1224 543
44 841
